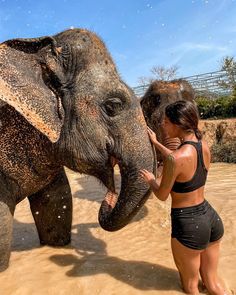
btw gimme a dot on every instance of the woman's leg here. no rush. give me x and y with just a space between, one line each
188 263
208 269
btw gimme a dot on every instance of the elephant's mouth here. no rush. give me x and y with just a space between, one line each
111 196
111 199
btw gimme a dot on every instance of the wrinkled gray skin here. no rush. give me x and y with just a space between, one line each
64 104
157 97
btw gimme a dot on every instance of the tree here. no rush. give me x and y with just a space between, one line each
159 73
165 74
228 64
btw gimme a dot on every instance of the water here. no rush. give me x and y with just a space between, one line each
134 260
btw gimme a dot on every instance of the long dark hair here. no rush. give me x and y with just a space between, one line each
185 115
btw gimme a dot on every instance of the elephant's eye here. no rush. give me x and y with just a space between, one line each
113 106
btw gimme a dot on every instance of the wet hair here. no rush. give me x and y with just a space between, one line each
185 115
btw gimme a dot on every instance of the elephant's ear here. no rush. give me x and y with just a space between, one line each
24 83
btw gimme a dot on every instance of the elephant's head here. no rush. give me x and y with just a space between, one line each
68 88
157 97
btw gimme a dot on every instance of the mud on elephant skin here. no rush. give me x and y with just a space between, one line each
64 104
158 95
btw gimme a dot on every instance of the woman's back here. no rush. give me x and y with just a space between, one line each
192 161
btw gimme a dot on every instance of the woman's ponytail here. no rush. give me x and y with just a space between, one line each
198 134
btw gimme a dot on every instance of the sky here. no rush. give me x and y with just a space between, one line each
193 35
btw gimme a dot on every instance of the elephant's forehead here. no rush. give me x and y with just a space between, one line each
85 40
97 79
167 87
85 36
100 72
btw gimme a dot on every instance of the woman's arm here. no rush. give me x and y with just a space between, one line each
162 187
161 148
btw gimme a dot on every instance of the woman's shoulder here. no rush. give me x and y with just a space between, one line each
183 152
187 153
178 158
183 155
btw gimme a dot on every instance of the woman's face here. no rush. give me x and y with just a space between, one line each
170 128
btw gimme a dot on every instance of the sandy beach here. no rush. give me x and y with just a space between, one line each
135 260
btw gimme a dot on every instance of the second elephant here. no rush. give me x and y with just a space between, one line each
158 95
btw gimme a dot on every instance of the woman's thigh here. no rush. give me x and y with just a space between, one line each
187 261
209 261
208 269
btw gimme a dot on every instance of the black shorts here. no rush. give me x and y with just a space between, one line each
196 226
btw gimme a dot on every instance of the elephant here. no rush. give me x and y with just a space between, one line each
158 95
63 104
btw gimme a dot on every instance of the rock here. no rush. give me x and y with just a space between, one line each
218 131
221 138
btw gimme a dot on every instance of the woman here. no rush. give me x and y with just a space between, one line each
196 227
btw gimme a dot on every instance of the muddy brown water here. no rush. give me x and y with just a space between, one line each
134 260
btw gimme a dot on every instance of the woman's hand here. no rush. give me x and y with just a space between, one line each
147 176
152 135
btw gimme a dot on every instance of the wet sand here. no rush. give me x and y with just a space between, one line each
134 260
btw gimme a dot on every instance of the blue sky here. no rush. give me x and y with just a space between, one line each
192 34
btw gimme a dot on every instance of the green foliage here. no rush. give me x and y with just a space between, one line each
229 65
221 107
224 152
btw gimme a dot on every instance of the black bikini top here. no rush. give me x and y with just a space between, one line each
200 175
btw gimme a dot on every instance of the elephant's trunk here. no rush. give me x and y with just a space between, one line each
171 143
116 211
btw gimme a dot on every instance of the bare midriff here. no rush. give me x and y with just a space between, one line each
181 200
